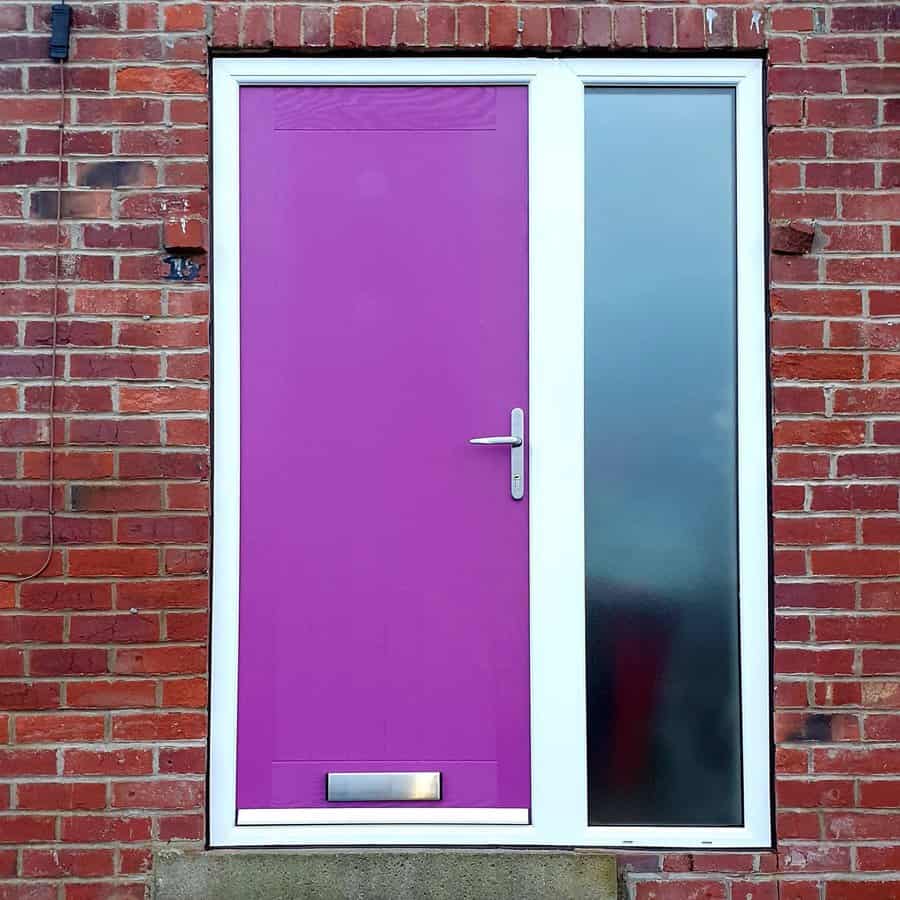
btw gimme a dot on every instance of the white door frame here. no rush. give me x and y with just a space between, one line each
556 440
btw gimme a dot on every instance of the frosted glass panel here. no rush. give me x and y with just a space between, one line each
660 458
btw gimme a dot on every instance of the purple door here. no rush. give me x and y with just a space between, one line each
384 562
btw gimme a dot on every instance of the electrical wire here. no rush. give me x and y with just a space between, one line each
54 316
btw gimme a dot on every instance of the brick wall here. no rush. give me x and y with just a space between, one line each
103 658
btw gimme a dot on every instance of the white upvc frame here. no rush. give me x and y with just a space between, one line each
556 440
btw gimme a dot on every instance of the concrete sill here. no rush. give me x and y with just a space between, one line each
384 875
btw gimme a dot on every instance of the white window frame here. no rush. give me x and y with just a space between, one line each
556 440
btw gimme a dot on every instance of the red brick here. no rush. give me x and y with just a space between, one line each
819 301
185 17
802 465
68 662
181 593
841 49
163 465
173 335
91 829
564 27
720 30
690 29
857 762
348 27
160 660
861 826
162 399
173 828
879 695
818 662
815 531
411 24
882 80
167 726
183 761
864 18
55 729
885 531
819 434
18 762
115 498
316 26
814 794
814 595
797 19
61 795
855 496
787 497
23 629
165 80
135 861
804 80
108 762
128 890
596 25
191 693
791 761
875 859
780 110
884 728
841 175
285 26
885 368
158 794
798 400
884 303
379 26
110 694
789 333
879 595
113 561
858 629
113 629
815 859
793 144
817 366
627 27
186 562
838 113
674 890
861 563
26 829
853 238
187 432
142 17
23 695
65 863
118 301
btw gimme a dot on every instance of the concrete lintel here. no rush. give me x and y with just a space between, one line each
384 875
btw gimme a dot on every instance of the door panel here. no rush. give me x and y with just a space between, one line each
384 322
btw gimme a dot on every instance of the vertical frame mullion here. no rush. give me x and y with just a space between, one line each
559 757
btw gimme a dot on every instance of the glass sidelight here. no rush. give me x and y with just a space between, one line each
661 515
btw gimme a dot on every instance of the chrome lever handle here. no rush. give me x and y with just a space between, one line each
515 441
509 440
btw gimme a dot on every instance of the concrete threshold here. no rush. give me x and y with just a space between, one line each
384 875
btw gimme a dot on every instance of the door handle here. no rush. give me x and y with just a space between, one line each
515 440
508 439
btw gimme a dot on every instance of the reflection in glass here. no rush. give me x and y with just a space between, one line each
660 458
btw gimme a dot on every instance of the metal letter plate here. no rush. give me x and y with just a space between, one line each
347 787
